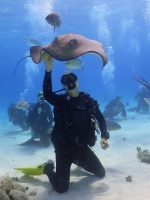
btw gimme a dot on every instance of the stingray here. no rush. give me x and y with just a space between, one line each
67 47
142 81
112 125
54 20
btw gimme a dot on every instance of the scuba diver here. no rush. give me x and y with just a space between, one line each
17 116
144 93
141 104
40 119
73 133
115 107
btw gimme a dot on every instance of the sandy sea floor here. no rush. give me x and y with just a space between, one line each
120 160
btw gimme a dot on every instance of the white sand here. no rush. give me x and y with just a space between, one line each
119 160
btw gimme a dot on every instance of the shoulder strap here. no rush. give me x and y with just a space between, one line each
90 99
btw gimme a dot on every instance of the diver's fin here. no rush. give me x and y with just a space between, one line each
31 170
132 109
28 142
35 171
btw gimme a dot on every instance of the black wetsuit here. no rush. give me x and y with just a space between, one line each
142 105
113 108
17 116
70 134
40 122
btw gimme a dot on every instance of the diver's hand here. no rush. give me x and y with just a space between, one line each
104 143
48 59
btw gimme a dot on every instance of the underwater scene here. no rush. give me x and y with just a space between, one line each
70 69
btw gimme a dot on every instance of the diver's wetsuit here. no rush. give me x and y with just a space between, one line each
41 121
72 117
17 116
142 105
113 108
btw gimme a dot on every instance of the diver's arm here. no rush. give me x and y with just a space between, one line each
49 95
48 59
98 115
123 112
102 123
110 105
103 128
50 115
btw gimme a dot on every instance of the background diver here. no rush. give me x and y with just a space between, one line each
17 116
40 120
114 108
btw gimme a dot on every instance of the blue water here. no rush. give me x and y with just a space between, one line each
123 27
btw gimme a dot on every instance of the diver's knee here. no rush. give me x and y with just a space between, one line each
61 190
62 186
100 173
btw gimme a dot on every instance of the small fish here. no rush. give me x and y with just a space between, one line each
147 100
33 41
22 105
74 64
54 20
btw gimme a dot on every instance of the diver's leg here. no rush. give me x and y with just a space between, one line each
23 125
139 106
28 142
45 139
60 179
33 134
63 165
90 162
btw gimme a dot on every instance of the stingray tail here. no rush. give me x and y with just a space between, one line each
19 62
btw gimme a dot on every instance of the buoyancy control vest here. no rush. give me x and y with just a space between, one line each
79 119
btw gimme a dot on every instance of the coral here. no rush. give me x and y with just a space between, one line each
17 195
143 155
128 178
33 193
3 195
9 190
